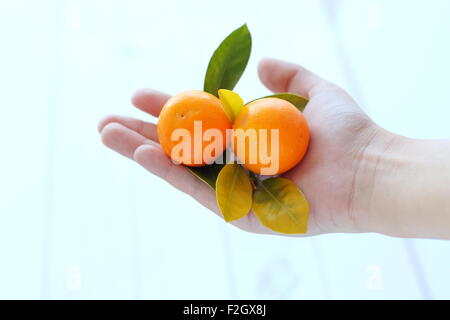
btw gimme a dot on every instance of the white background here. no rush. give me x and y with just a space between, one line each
78 221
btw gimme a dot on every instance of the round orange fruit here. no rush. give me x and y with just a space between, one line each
184 128
270 136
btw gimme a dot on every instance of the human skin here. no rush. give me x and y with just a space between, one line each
356 176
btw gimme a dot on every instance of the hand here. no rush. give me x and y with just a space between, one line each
340 132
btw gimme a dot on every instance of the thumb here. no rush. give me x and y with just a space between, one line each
282 76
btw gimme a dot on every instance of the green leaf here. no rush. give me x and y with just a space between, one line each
281 206
207 174
234 192
297 100
228 61
231 102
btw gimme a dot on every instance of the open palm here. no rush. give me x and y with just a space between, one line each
340 132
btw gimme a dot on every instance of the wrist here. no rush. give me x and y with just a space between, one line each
375 200
401 186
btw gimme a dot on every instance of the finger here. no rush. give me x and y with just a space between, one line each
281 76
149 100
123 140
145 129
152 158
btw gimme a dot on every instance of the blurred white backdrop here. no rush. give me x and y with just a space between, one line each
78 221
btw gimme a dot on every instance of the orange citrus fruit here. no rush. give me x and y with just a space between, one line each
192 112
284 147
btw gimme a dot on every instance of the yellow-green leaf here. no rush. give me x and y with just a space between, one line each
281 206
233 192
299 101
231 102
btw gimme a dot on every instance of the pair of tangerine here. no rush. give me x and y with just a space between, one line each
184 109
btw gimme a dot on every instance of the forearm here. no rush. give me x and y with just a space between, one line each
403 185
